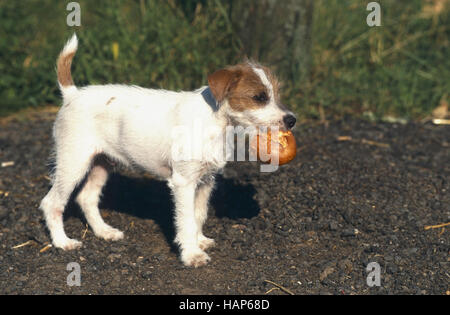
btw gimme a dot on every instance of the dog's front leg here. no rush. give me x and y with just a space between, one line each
202 196
187 228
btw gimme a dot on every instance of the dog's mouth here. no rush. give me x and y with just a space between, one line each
245 123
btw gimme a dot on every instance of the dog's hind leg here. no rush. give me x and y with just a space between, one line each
89 197
66 178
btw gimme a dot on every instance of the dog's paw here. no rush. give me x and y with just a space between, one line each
109 233
67 244
195 259
204 242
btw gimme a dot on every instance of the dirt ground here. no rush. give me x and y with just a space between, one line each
358 192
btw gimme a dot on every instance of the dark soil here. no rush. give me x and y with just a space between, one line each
311 227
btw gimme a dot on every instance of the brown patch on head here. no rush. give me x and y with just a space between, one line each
63 69
222 81
110 100
241 86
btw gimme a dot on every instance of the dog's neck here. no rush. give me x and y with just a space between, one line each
219 110
209 99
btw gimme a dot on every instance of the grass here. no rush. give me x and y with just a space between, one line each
400 69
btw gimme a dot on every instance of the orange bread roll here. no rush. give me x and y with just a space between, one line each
287 147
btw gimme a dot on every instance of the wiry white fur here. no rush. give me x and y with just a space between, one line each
71 45
133 125
263 77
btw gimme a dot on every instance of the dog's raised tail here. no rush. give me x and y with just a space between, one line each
63 66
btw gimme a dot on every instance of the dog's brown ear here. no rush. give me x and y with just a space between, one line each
222 81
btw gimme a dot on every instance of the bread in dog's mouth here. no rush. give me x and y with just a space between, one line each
287 146
282 138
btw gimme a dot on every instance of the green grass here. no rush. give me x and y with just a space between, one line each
400 69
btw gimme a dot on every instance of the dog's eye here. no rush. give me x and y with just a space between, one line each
261 98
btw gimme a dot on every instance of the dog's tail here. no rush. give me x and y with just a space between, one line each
63 65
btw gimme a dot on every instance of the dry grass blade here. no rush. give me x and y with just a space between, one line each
363 141
280 287
8 163
441 121
378 144
45 248
23 244
273 289
84 233
344 138
428 227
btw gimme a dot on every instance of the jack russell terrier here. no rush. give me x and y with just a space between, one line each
132 125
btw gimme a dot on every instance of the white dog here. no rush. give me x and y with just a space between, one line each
133 126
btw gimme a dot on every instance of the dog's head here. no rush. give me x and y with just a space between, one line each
249 94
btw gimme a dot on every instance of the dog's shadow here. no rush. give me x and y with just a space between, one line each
151 199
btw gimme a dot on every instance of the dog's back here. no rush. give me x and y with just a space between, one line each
130 123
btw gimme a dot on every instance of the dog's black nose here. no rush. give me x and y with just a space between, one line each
289 121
